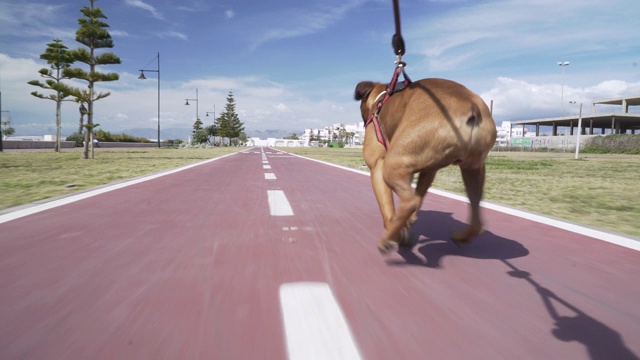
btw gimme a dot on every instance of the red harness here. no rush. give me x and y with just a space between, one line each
391 89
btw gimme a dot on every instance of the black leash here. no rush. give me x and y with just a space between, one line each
397 41
398 47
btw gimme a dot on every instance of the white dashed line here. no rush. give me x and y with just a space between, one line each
278 203
315 327
266 166
269 176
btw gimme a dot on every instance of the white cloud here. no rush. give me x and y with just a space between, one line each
229 14
280 107
144 6
298 22
173 34
119 33
519 100
480 33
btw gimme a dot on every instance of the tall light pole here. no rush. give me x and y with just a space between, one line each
196 100
562 64
142 77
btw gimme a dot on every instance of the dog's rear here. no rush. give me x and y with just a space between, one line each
431 124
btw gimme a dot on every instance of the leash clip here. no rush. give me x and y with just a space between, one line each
399 63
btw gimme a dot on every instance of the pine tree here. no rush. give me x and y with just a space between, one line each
228 123
57 56
92 33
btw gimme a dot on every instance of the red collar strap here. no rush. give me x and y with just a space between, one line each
392 88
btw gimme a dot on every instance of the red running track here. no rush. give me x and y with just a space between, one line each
190 265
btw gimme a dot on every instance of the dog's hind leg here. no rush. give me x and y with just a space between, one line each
424 183
473 179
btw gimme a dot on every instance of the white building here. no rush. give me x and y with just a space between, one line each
352 134
506 132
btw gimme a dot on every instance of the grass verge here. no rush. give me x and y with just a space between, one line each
596 190
29 176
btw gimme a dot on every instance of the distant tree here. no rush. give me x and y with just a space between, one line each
228 123
342 134
93 35
57 56
212 132
5 128
293 136
197 126
8 131
350 136
243 137
200 137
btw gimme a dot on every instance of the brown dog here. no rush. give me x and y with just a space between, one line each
431 124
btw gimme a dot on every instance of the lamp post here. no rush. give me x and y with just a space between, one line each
562 64
196 100
142 77
214 118
212 112
1 144
579 131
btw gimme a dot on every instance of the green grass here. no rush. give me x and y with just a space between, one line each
30 176
597 190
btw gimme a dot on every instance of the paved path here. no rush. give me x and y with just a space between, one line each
265 255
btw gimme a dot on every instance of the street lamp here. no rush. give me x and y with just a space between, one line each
562 64
142 77
196 100
212 112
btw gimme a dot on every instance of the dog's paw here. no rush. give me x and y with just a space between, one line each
464 237
405 238
385 247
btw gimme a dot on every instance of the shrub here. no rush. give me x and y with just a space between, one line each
105 136
77 138
200 137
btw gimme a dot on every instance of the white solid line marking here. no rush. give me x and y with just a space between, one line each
315 327
278 203
73 198
269 176
266 166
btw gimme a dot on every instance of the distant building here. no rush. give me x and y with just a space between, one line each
506 132
273 142
351 134
594 123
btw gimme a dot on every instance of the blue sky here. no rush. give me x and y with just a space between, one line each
294 64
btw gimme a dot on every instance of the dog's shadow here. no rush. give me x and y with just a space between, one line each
431 232
430 236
